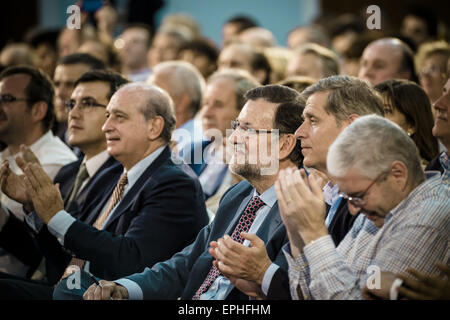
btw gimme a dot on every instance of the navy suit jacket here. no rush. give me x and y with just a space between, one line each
20 240
66 179
182 275
160 215
56 256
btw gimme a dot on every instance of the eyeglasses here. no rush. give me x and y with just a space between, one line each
359 201
85 104
235 124
7 98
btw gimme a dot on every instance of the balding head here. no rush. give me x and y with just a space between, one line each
258 37
185 85
385 59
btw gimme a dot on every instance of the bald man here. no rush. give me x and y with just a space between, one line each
387 58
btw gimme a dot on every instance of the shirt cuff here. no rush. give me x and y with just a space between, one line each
134 291
319 251
298 268
59 224
268 275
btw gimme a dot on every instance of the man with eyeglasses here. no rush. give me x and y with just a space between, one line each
26 116
403 222
86 111
268 119
132 217
68 69
331 105
222 101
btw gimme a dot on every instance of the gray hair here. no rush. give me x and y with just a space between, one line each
330 64
347 95
185 79
371 144
242 81
154 102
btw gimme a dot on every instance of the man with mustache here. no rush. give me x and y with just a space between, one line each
86 112
331 105
428 286
246 209
153 210
403 222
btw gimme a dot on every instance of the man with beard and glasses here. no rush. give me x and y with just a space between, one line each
404 218
247 211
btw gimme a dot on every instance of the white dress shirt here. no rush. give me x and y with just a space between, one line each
52 154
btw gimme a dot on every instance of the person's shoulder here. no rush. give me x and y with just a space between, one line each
431 206
242 187
55 151
170 170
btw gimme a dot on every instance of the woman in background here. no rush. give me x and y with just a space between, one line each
407 104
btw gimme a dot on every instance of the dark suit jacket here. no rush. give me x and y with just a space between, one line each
66 179
435 164
56 256
160 215
21 241
342 222
182 275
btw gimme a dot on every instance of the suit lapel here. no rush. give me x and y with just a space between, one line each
67 185
270 224
238 212
105 165
130 196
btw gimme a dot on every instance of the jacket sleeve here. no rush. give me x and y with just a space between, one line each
164 220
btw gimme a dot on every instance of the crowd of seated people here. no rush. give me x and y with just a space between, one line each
153 163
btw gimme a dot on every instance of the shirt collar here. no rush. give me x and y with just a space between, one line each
269 196
42 141
94 163
34 147
416 194
138 169
330 192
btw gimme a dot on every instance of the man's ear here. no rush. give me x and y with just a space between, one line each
155 127
287 144
39 110
353 117
399 172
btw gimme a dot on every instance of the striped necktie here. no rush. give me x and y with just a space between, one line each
78 264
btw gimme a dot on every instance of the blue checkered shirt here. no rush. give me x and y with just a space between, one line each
415 234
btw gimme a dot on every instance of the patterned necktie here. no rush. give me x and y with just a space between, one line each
243 225
82 175
115 198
